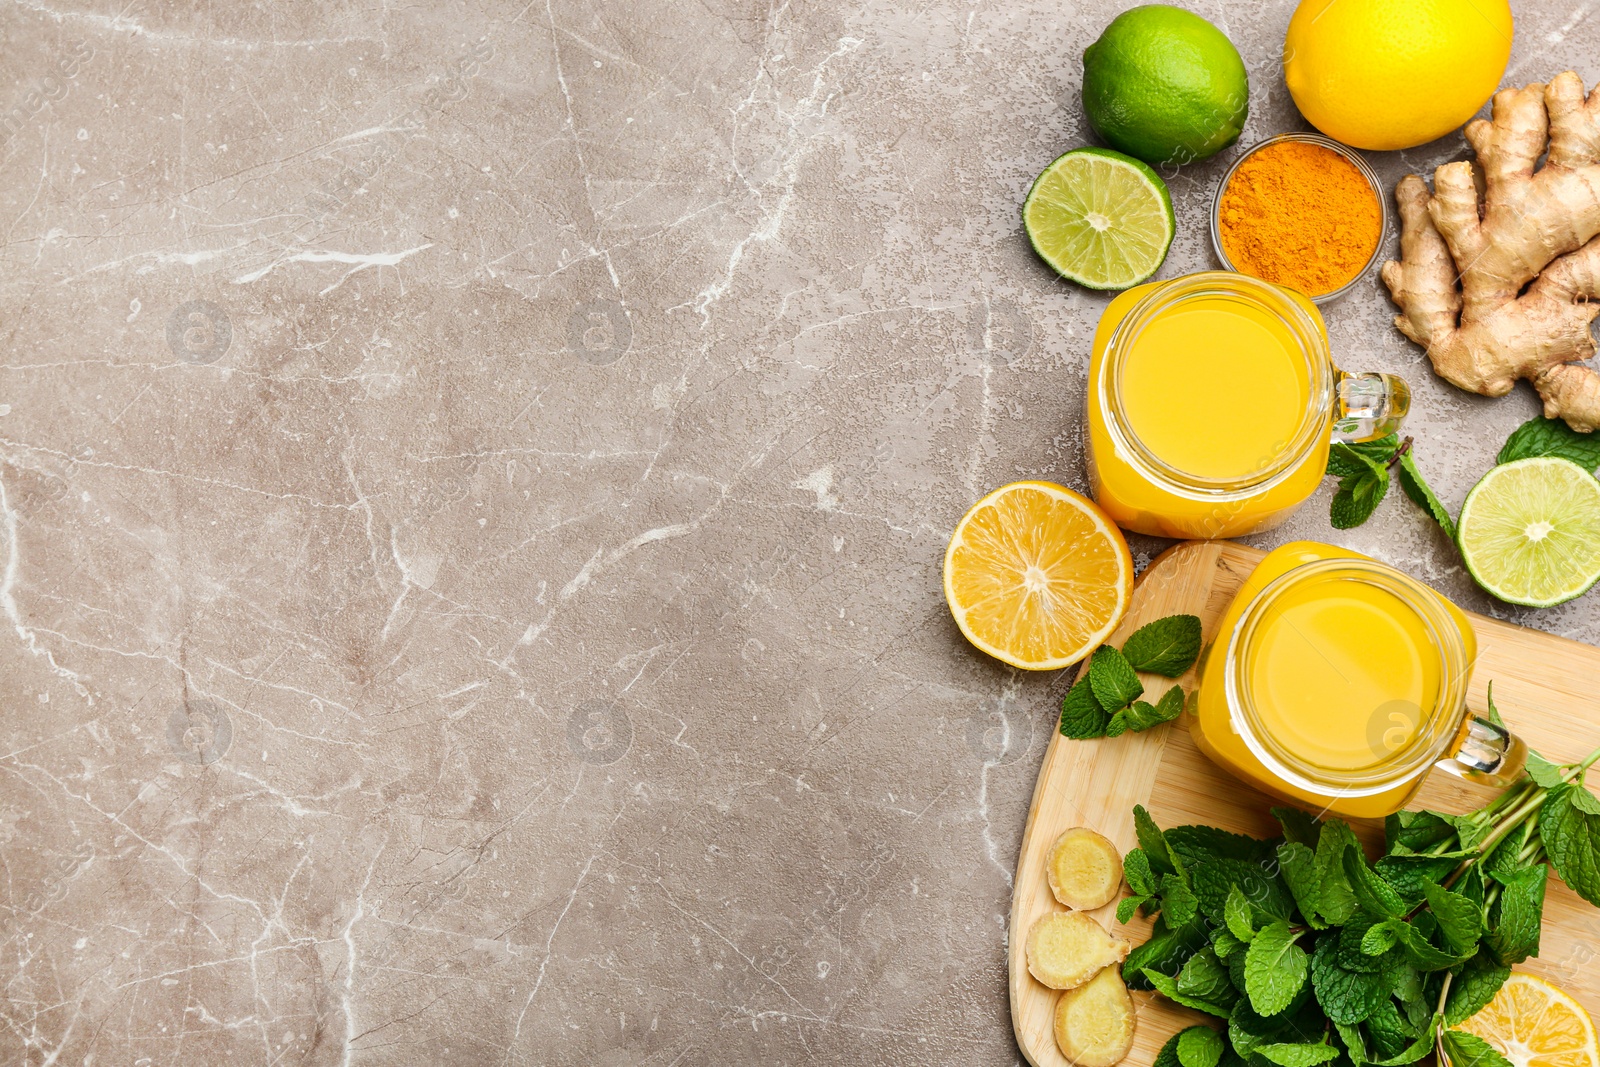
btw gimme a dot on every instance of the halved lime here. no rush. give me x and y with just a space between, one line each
1100 218
1530 531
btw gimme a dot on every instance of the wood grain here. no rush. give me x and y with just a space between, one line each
1548 688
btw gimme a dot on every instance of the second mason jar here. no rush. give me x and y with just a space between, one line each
1212 401
1337 683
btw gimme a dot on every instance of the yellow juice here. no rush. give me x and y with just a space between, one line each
1344 676
1200 423
1194 366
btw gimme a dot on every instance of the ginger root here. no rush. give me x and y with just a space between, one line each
1497 226
1084 869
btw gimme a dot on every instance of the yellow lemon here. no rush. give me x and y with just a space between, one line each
1533 1024
1037 576
1386 74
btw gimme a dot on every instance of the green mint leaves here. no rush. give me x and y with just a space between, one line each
1570 827
1314 954
1104 702
1167 647
1364 469
1551 437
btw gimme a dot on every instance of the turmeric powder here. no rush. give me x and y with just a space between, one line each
1301 215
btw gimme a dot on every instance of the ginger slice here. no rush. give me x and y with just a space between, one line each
1067 948
1084 869
1094 1023
1499 225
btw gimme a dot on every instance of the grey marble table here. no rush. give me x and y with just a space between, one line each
473 481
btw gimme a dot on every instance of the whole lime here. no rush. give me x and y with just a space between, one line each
1164 85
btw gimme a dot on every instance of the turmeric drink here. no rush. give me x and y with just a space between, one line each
1212 401
1196 362
1336 682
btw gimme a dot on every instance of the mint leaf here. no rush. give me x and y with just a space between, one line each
1239 916
1408 875
1275 969
1473 987
1117 725
1128 905
1357 497
1199 1046
1355 1045
1082 717
1153 842
1381 937
1543 771
1167 646
1166 952
1346 458
1286 1055
1337 902
1415 831
1460 920
1423 954
1518 914
1224 944
1112 679
1410 1054
1469 1050
1297 865
1215 879
1420 494
1136 869
1572 839
1140 715
1346 996
1168 1056
1298 826
1551 437
1196 843
1205 978
1374 895
1178 902
1168 987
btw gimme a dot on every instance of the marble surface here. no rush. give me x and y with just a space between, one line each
473 481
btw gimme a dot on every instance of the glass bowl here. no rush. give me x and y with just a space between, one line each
1334 146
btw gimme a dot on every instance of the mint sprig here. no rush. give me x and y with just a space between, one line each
1104 701
1314 954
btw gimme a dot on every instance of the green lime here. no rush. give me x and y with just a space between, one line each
1100 218
1530 531
1165 85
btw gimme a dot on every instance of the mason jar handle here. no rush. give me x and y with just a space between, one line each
1488 754
1369 406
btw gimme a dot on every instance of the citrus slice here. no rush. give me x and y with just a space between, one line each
1530 531
1534 1024
1037 576
1100 218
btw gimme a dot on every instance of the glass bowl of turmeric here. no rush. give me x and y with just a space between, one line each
1303 211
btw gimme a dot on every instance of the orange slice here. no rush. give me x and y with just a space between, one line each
1534 1024
1037 576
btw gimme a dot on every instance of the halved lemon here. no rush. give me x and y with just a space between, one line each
1037 576
1534 1024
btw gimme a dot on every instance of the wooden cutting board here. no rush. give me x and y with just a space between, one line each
1548 689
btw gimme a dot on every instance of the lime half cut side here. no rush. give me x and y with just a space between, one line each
1530 531
1100 218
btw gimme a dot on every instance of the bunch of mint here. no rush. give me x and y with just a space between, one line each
1104 702
1364 469
1311 954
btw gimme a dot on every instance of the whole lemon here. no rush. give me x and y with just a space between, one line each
1386 74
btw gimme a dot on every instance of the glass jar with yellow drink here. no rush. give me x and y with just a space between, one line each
1337 683
1212 401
